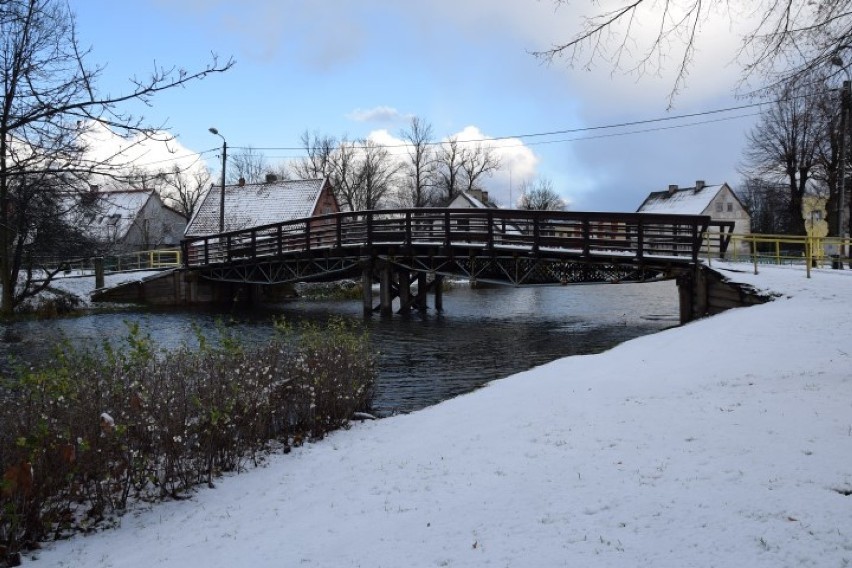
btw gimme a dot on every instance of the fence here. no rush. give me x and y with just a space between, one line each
143 260
815 252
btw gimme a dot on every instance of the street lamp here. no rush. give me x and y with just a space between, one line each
222 189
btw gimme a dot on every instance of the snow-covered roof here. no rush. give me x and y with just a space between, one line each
465 199
255 204
112 215
686 201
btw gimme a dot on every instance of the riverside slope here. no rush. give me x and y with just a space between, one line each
725 442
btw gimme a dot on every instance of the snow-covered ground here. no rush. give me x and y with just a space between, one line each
82 284
726 442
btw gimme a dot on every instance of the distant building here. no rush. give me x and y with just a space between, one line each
478 199
717 201
473 199
121 221
255 204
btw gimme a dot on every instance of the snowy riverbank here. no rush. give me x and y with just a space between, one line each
726 442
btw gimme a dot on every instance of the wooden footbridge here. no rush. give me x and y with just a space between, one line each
399 248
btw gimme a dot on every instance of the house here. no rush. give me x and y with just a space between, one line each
717 201
121 221
478 199
472 199
249 205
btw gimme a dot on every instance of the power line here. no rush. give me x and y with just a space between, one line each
579 130
550 133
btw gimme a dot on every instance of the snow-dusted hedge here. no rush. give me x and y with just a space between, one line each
94 429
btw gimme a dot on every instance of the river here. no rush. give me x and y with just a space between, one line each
481 335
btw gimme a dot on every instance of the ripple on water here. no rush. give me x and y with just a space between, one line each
483 334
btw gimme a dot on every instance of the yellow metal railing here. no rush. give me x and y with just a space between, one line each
143 260
813 252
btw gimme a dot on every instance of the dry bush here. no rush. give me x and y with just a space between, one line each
95 429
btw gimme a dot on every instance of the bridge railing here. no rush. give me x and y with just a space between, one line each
634 235
157 259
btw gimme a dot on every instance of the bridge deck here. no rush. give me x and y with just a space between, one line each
545 246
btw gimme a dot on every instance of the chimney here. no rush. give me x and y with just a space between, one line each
672 189
94 188
271 178
242 182
699 185
485 197
475 193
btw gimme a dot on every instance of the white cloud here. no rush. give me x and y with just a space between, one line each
377 114
158 152
518 163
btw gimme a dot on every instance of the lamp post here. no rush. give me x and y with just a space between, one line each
222 188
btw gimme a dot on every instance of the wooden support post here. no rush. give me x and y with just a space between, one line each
439 292
404 277
685 297
700 296
422 291
385 290
99 273
367 289
255 295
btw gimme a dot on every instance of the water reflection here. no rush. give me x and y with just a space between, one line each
482 334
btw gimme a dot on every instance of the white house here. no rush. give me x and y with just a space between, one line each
717 201
473 199
126 220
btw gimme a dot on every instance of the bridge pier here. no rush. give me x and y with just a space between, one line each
704 292
386 290
395 282
422 289
367 289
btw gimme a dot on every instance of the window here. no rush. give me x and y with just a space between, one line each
718 208
730 207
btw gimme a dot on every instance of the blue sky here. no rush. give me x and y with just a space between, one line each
358 67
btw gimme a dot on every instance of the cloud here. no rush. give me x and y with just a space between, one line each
518 163
155 153
377 114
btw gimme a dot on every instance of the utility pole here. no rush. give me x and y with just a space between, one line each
222 187
844 126
846 134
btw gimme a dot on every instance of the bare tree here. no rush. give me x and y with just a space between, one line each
540 196
417 186
344 174
827 110
478 161
790 38
768 206
247 164
48 91
376 175
138 179
450 171
318 163
783 147
281 170
182 190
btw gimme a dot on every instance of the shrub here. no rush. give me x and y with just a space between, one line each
97 428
